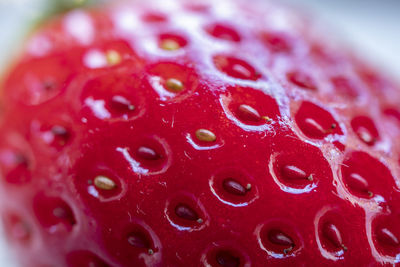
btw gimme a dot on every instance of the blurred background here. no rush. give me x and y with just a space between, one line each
371 27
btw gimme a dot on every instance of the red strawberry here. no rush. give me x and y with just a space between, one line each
213 133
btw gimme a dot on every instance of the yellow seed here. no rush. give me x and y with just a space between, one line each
174 85
266 118
105 183
113 57
205 135
169 44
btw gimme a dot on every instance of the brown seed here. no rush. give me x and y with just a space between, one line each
104 183
185 212
233 187
169 44
205 135
174 85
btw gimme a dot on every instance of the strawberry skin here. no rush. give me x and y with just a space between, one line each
212 133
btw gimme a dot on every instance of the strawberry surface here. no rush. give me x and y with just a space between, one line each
212 133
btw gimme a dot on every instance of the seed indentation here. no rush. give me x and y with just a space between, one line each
236 68
316 122
365 129
226 259
139 240
385 236
302 80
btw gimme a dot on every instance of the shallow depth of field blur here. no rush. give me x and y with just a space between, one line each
371 27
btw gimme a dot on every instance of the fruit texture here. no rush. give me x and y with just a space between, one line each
212 133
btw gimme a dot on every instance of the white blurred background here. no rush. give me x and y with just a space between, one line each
371 27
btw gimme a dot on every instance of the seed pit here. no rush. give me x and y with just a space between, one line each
186 213
365 129
294 170
147 155
54 213
236 68
154 17
41 83
84 258
302 80
17 229
224 254
113 97
15 166
59 136
361 181
392 112
223 32
278 240
344 86
386 235
277 42
333 236
173 81
171 42
249 108
140 239
316 122
233 187
226 259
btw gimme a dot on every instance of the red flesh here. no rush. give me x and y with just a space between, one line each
303 170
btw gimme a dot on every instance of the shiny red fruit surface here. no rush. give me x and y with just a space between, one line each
212 133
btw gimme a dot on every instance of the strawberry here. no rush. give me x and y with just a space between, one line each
212 133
